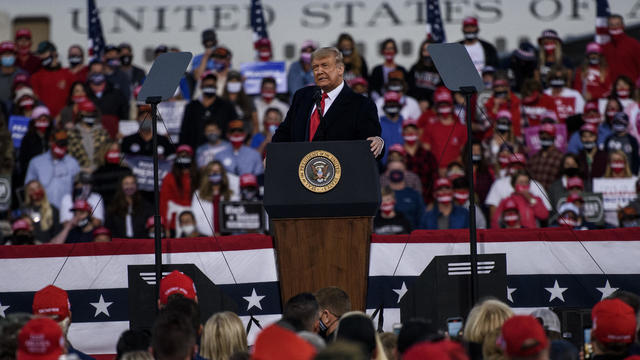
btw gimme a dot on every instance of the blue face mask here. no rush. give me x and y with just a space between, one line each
8 61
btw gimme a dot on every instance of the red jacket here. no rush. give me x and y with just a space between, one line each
170 192
533 111
52 88
528 213
623 56
594 85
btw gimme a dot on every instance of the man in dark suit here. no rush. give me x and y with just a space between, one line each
345 114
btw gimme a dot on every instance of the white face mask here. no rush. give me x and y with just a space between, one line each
234 87
187 230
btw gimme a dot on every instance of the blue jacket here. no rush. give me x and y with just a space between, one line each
410 204
458 219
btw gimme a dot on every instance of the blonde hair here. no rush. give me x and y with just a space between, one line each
326 52
223 336
627 170
137 355
484 318
206 188
46 212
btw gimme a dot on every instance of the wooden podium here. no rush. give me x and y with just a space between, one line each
322 226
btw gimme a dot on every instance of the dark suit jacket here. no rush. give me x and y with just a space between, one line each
350 117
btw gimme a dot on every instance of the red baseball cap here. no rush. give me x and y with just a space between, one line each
391 96
276 342
409 122
442 182
594 48
21 78
510 204
397 148
53 302
592 128
87 106
500 82
575 182
358 81
40 339
504 114
470 20
613 322
517 158
248 180
548 128
442 95
590 106
23 33
20 224
550 115
262 42
207 74
176 283
573 198
7 46
101 231
82 205
439 350
522 336
185 148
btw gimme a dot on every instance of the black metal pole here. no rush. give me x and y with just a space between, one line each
157 223
473 246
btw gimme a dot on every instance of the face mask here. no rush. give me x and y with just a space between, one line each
511 220
500 94
591 119
546 143
46 62
187 230
129 190
503 160
396 87
611 113
84 222
461 196
594 61
237 140
346 52
112 157
571 171
77 99
389 55
520 188
58 151
89 120
209 91
410 139
623 93
234 87
75 60
264 55
42 125
249 194
470 35
268 95
476 158
113 63
549 48
445 110
444 197
126 60
618 166
37 195
183 162
212 137
323 330
396 176
272 128
215 179
568 222
26 103
616 33
557 82
387 207
617 127
306 57
589 145
391 110
503 127
8 61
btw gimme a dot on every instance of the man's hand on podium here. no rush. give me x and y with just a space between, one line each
377 144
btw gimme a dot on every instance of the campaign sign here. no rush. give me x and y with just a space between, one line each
533 139
172 113
238 216
616 193
592 209
142 167
18 126
254 72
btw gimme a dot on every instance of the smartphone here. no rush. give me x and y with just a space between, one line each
396 328
588 349
454 326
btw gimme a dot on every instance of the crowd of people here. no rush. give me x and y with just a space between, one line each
323 326
544 130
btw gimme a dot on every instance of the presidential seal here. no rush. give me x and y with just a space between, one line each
319 171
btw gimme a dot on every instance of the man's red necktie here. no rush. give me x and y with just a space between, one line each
315 118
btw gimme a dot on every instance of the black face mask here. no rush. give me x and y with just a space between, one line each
503 127
500 94
183 162
589 145
47 62
125 60
208 91
391 110
546 143
396 176
470 35
571 171
557 82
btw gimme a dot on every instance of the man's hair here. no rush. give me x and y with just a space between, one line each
335 299
516 175
186 212
616 16
325 52
186 307
273 109
172 337
267 80
132 340
301 311
385 191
